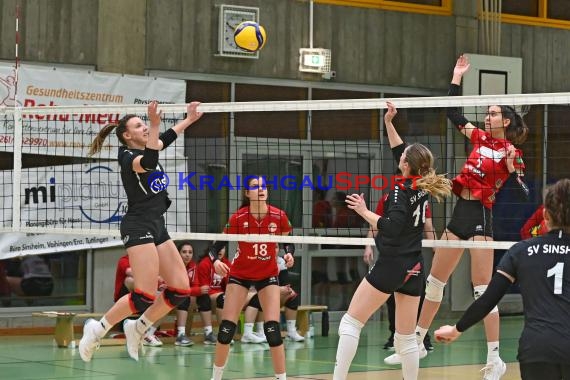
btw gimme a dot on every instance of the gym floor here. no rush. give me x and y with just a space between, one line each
37 357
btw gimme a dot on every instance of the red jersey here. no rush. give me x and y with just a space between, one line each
485 170
256 260
120 275
380 207
535 225
192 269
208 276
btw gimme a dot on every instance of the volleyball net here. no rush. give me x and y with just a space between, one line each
312 154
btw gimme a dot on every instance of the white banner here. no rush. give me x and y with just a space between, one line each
85 196
71 135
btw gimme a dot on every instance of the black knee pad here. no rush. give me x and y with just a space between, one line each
175 297
204 303
184 305
293 303
226 331
254 302
220 301
273 333
140 301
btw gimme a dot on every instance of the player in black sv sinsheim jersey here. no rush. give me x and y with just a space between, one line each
143 230
398 269
541 268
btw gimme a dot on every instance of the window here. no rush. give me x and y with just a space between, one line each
439 7
553 13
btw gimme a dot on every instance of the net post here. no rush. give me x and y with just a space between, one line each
17 173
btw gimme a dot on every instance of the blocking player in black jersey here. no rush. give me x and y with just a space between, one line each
541 268
398 269
143 230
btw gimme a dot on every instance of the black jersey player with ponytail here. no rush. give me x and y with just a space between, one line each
151 250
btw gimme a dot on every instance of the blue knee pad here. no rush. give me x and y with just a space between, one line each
273 333
226 331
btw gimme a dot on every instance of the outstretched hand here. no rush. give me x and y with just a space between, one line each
391 112
192 113
154 115
446 334
462 65
357 203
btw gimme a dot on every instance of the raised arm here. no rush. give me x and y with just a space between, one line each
453 113
192 115
393 136
149 159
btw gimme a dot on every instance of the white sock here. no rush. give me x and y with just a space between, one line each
248 328
217 372
280 376
492 351
259 327
291 327
349 333
421 334
181 330
150 331
143 324
207 330
105 327
407 347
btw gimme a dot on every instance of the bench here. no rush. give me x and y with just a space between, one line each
64 327
303 313
63 333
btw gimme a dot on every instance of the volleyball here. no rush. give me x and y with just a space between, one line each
250 36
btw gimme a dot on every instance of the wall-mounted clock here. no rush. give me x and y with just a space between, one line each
230 17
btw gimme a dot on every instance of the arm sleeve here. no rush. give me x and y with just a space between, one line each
397 151
483 306
523 193
453 113
394 218
168 137
149 159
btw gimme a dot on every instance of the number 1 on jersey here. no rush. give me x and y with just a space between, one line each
558 272
420 210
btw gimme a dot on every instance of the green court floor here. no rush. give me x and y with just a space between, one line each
36 357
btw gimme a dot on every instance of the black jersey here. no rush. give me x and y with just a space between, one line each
400 229
541 267
146 192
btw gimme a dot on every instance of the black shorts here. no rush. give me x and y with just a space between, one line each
138 230
403 274
544 371
37 286
258 284
471 218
